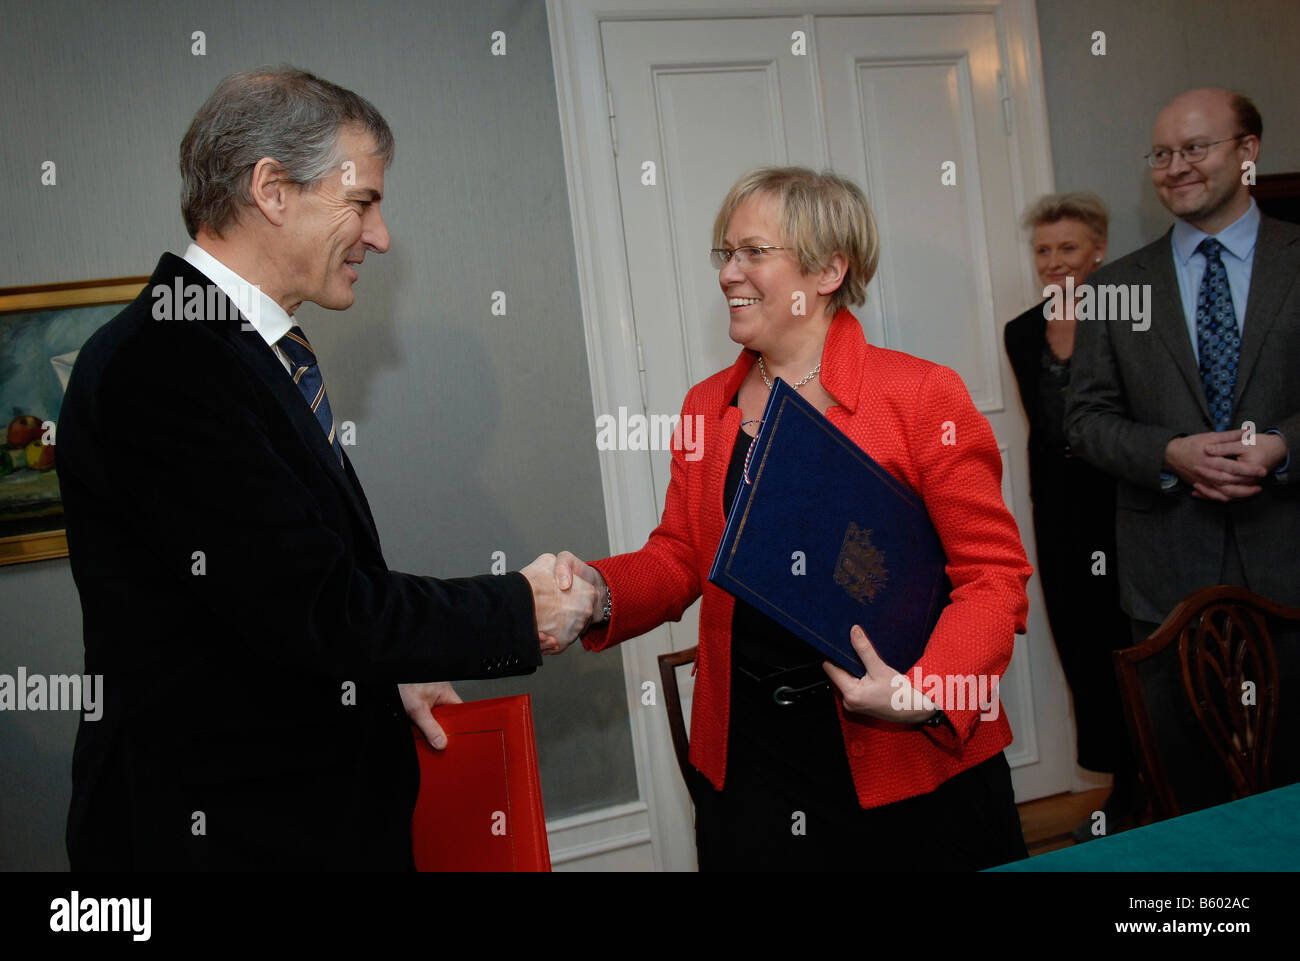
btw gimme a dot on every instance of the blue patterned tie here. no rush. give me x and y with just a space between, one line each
306 374
1218 342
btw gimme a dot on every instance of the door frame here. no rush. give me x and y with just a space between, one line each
606 302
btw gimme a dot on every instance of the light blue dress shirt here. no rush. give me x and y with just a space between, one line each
1238 252
1238 255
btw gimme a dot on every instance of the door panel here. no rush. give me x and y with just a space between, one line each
704 100
909 95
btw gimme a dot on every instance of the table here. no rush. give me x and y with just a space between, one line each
1256 833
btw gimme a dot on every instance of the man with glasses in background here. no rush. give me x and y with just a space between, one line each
1198 414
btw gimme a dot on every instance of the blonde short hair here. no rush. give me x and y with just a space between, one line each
821 214
1085 207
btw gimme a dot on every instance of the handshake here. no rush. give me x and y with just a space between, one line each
568 598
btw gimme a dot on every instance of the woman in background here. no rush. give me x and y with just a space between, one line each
790 772
1074 503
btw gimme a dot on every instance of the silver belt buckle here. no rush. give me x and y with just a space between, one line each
785 695
776 695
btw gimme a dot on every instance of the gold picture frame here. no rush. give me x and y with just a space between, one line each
30 319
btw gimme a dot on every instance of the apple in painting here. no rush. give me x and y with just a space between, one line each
40 456
24 429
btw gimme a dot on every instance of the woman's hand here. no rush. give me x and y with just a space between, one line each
563 611
568 566
882 693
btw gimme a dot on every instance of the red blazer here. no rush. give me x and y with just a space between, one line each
900 410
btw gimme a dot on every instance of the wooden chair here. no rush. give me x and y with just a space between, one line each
1202 700
668 664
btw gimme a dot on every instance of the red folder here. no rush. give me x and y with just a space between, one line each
480 801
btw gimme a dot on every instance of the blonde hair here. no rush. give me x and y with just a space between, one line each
821 214
1085 207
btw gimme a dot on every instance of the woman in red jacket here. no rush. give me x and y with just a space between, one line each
912 778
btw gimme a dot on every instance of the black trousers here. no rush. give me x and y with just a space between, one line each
1074 519
789 803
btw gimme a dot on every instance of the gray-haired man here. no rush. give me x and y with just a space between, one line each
235 595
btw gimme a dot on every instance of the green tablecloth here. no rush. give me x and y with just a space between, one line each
1257 833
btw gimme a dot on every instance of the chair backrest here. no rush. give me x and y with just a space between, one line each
480 801
1202 699
668 664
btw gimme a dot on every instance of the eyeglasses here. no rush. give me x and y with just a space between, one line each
1192 153
745 257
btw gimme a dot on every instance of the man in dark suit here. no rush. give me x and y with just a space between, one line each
1196 408
235 596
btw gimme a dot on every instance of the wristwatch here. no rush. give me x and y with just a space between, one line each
938 720
609 606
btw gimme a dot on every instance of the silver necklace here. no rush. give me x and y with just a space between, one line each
763 370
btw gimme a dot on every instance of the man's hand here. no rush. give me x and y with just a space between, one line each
1267 452
419 699
567 566
1219 466
562 613
876 694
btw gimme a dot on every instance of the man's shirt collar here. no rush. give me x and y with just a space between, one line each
1238 238
268 319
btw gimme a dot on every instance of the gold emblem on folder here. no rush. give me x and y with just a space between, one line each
860 569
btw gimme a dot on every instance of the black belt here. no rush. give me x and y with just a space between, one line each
784 688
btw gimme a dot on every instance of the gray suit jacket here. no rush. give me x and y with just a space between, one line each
1132 391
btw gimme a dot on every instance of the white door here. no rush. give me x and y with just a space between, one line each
885 100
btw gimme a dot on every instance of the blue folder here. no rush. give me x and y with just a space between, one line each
821 537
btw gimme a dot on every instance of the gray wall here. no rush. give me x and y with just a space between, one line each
475 432
1101 109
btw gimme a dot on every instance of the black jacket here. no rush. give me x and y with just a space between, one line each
1024 338
237 602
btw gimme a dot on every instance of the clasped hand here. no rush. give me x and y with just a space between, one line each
566 605
1225 465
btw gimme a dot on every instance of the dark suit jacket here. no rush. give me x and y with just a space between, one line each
1132 391
251 715
1024 337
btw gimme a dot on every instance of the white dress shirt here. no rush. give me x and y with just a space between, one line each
266 317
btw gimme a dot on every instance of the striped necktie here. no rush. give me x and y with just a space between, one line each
307 375
1218 342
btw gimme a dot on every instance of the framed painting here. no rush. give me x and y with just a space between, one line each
41 331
